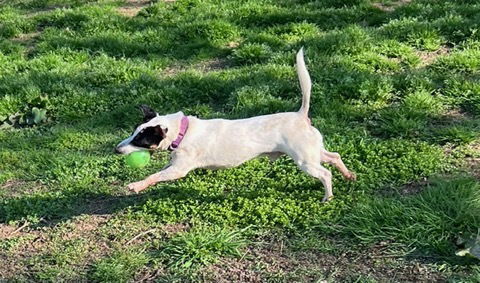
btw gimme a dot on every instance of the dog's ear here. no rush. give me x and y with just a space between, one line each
160 131
148 113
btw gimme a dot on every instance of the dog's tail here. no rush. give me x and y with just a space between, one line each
305 83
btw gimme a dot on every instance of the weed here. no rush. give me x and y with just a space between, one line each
119 267
201 246
251 53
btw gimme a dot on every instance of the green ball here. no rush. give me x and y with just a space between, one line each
138 159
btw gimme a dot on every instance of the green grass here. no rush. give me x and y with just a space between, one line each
119 267
429 221
201 247
396 92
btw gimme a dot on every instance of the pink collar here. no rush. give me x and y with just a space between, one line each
181 133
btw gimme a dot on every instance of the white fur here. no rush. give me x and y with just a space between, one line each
221 143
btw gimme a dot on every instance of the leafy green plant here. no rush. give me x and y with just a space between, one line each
32 116
408 118
455 134
251 53
202 246
413 31
395 122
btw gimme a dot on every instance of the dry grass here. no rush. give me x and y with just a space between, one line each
429 57
273 261
212 65
132 7
391 6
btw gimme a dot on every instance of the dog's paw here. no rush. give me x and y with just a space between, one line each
136 187
351 177
327 198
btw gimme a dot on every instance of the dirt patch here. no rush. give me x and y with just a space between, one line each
234 270
215 64
212 65
429 57
172 70
473 166
406 190
391 6
95 236
26 247
84 226
269 262
414 188
27 39
8 269
149 275
472 163
455 115
132 7
233 44
15 252
172 229
6 231
13 184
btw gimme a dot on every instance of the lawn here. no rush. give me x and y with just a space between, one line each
396 91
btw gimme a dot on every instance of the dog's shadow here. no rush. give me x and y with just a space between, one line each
52 209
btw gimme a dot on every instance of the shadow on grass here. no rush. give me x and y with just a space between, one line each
52 208
326 19
120 46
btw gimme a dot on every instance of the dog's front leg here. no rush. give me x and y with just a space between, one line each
170 173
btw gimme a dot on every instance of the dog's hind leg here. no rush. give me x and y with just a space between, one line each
334 159
304 151
321 173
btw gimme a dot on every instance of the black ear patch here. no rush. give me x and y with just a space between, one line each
150 136
148 112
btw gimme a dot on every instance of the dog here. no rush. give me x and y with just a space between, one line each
221 143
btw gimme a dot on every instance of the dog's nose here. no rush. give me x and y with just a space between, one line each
117 150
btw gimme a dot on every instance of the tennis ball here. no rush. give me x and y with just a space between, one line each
138 159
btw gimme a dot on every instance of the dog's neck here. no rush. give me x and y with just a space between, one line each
173 123
181 133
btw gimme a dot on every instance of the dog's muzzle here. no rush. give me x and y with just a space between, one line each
123 148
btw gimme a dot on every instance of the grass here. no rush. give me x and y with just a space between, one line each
201 247
428 221
119 267
396 93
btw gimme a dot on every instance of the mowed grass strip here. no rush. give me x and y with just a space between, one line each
396 93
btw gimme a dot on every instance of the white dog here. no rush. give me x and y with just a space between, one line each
220 143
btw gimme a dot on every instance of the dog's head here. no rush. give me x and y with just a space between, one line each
152 133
